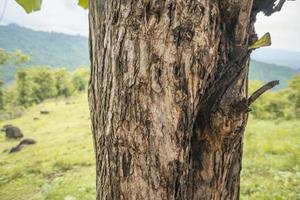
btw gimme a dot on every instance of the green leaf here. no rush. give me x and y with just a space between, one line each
264 41
83 3
30 5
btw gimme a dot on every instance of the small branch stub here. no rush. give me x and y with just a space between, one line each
262 90
243 105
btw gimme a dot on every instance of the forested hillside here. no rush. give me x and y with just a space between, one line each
265 72
44 48
61 50
278 56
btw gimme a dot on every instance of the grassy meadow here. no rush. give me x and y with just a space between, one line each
61 165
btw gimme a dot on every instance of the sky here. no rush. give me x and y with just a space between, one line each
65 16
56 15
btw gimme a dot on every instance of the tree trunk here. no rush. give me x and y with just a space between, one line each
168 96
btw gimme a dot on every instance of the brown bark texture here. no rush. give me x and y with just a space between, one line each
167 96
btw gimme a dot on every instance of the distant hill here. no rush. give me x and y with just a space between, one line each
61 50
278 57
44 48
265 72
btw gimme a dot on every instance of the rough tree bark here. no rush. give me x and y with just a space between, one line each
168 96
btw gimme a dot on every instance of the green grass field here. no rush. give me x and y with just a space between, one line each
61 165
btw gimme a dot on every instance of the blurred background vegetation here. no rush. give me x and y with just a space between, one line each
51 74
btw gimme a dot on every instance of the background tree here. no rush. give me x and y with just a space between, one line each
1 95
62 83
23 88
80 78
43 84
17 56
36 84
5 56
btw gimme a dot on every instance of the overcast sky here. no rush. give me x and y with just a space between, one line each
65 16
